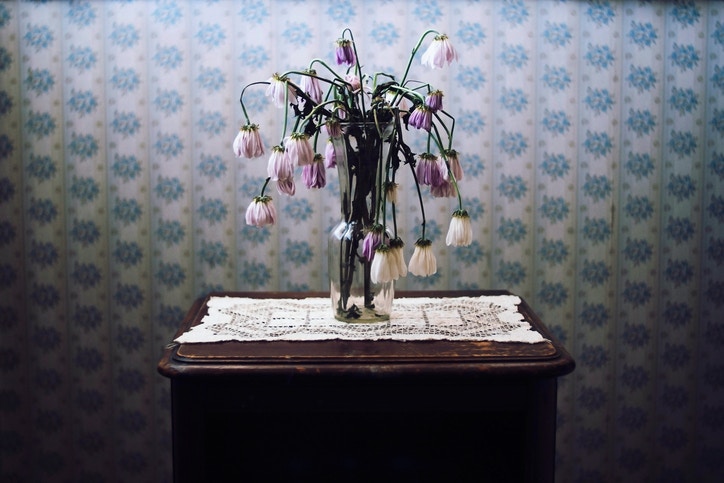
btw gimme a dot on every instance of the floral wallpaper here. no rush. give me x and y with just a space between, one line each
591 136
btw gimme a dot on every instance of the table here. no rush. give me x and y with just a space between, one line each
340 410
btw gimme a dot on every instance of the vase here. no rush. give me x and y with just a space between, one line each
361 154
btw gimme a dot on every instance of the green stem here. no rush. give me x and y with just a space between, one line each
241 98
414 52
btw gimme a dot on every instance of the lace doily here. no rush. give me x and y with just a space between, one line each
484 318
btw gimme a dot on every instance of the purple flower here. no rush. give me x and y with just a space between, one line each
248 143
453 161
345 52
261 211
421 118
434 100
330 155
430 170
314 174
286 186
443 190
372 240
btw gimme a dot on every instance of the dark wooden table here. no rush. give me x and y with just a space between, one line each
364 410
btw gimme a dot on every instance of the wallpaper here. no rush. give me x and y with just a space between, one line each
590 135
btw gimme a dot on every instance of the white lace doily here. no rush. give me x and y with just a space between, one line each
484 318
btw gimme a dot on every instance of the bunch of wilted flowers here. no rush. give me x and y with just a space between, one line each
330 103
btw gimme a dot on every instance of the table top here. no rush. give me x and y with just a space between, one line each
365 358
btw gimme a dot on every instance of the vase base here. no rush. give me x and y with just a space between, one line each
357 315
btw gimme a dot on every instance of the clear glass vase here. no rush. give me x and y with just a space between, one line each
361 153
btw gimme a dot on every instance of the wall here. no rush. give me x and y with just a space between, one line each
591 138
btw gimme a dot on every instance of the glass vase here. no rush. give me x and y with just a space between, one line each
361 153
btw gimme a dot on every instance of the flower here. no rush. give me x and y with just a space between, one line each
333 128
434 100
309 84
422 262
383 268
299 149
248 143
451 156
281 170
261 211
460 233
314 175
421 118
345 52
439 53
280 91
443 190
430 170
372 240
391 189
354 82
398 256
330 155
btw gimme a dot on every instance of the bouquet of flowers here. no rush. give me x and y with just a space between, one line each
363 119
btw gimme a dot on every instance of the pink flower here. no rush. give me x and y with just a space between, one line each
286 186
421 118
439 53
454 163
430 170
310 85
261 212
330 155
278 166
334 129
345 52
248 143
460 233
372 240
354 82
434 100
443 190
280 91
314 175
299 149
423 262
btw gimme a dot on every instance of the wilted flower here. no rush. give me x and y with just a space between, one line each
345 52
454 163
299 149
286 186
278 166
333 128
330 155
373 239
443 190
248 143
421 118
383 268
280 91
434 100
423 262
460 233
398 256
439 53
314 175
354 82
391 192
430 170
310 85
261 211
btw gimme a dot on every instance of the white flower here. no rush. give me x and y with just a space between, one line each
311 86
280 91
383 270
423 262
398 256
439 53
460 233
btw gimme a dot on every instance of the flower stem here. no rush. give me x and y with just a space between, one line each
414 51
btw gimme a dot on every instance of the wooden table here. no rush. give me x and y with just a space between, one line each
344 411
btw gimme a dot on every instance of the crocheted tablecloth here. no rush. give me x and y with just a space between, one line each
484 318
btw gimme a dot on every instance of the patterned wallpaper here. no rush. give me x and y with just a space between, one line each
591 139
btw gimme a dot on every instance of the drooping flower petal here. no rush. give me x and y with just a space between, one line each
382 267
286 186
280 91
354 82
372 240
299 149
310 85
345 52
454 163
439 52
277 166
444 189
314 175
330 155
398 255
423 262
391 190
261 211
460 233
434 100
248 143
421 118
334 129
430 170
